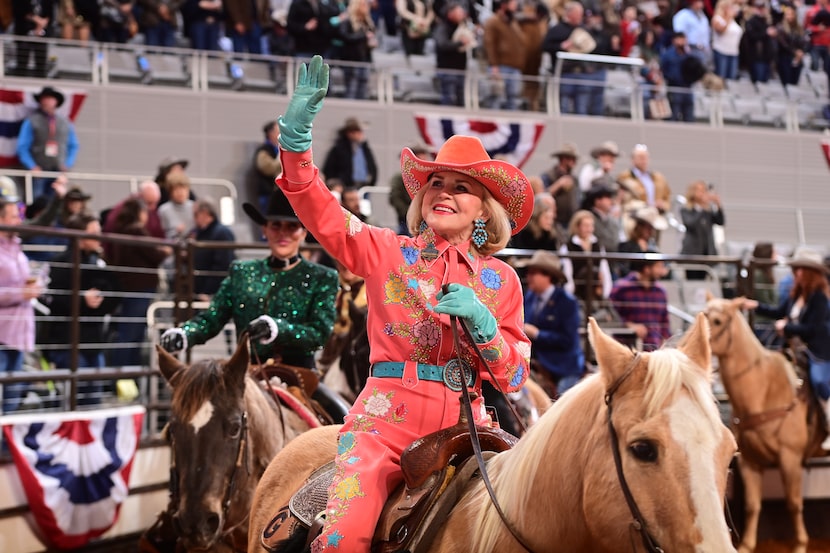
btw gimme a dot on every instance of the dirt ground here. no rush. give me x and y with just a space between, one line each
776 546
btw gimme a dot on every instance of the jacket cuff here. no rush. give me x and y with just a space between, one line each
298 169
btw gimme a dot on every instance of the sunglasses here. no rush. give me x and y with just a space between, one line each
289 227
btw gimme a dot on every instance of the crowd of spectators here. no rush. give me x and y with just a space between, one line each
117 283
594 206
678 41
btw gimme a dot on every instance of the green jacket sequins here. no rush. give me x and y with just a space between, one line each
301 301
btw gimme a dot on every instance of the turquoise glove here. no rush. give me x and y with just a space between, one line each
295 125
462 301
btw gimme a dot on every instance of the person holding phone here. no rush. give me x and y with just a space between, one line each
702 211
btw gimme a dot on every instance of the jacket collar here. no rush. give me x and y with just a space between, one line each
441 246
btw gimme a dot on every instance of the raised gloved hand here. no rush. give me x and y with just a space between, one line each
173 340
295 124
462 301
263 329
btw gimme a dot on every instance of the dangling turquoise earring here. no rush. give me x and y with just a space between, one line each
479 233
430 252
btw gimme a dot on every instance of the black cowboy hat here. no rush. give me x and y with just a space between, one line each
76 193
599 189
278 209
49 91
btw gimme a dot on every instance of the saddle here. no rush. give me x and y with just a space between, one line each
436 469
301 382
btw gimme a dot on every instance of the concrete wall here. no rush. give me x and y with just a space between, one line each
765 176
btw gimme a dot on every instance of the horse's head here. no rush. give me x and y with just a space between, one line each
727 324
674 450
208 434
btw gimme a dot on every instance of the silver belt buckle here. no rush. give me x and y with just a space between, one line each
458 372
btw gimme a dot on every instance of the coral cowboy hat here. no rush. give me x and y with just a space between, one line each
466 155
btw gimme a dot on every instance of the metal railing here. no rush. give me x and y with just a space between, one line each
222 189
734 277
394 79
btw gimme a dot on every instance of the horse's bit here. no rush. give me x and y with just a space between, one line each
639 523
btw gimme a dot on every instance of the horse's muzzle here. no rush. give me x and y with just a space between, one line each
198 531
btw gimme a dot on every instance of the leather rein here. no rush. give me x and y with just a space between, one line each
639 523
466 403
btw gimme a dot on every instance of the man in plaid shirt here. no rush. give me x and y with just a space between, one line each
642 302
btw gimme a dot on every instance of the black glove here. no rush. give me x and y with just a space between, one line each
263 329
173 340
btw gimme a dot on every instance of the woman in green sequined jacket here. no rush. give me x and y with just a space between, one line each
286 302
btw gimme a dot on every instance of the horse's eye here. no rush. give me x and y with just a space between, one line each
644 451
234 429
716 322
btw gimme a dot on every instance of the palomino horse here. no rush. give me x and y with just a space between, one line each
771 425
224 430
642 436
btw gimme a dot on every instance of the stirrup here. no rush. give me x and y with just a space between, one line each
315 529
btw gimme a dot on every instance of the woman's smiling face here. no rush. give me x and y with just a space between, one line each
452 201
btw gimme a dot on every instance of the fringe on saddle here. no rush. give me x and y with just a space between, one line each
436 470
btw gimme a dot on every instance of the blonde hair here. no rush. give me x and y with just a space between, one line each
177 180
691 192
360 20
497 222
577 218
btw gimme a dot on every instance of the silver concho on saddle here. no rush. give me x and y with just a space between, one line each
436 468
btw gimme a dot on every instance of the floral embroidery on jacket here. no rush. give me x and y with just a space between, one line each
353 223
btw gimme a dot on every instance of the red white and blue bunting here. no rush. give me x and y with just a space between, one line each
75 468
512 141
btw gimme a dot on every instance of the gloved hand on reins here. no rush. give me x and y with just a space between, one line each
462 301
173 340
307 100
263 329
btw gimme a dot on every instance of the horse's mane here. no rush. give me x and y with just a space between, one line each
194 386
669 371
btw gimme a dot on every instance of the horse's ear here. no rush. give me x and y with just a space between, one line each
612 356
696 343
169 365
709 296
237 366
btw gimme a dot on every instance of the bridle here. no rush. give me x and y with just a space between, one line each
750 420
241 458
727 325
639 523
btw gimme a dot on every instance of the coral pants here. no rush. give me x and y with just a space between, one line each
385 419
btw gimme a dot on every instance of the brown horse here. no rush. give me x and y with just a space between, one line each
561 487
224 430
772 420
